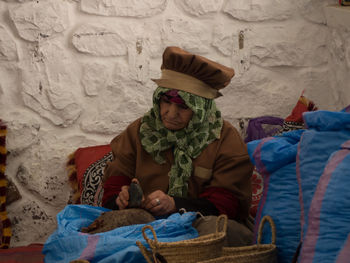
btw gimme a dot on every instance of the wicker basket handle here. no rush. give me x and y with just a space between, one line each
144 251
157 258
220 225
146 237
272 226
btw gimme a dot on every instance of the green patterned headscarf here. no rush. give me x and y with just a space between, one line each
204 127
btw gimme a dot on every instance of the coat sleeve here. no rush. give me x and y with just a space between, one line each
121 170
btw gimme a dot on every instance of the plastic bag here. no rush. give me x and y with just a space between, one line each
118 245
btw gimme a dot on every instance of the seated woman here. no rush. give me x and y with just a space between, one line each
181 152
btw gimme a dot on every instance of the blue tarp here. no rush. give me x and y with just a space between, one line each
305 172
323 161
275 158
118 245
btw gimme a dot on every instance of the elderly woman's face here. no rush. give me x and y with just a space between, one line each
174 116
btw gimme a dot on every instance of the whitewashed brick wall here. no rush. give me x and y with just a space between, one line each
75 73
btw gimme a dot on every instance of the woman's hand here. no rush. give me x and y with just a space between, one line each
158 203
123 197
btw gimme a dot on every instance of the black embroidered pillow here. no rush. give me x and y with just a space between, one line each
85 171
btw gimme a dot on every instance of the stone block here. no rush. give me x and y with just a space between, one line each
125 8
8 48
38 20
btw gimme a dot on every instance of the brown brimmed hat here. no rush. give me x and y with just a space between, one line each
195 74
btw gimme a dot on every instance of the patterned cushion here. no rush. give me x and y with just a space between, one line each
85 172
257 190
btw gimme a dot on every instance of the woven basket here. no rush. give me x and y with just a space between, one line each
186 251
259 253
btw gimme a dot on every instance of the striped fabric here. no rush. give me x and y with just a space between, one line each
5 232
326 229
306 177
322 169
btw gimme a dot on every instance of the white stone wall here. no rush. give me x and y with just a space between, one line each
75 73
338 22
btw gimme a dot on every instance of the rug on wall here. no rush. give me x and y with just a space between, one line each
5 225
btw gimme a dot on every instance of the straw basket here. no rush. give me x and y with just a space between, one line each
259 253
186 251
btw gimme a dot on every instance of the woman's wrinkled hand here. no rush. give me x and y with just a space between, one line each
158 203
124 197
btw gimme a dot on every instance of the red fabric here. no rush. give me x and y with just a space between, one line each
26 254
257 190
84 157
173 96
113 186
302 106
223 199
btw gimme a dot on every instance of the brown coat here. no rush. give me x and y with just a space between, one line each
224 163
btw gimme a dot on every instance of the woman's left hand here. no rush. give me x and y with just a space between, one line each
158 203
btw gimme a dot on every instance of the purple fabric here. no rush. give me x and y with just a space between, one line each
255 129
174 96
346 109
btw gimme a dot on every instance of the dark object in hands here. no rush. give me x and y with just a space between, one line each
135 195
116 218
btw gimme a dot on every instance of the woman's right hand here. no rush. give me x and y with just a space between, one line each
123 197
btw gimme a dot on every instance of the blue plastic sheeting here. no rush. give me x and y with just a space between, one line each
327 237
276 151
327 120
324 164
306 176
315 149
118 245
274 158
